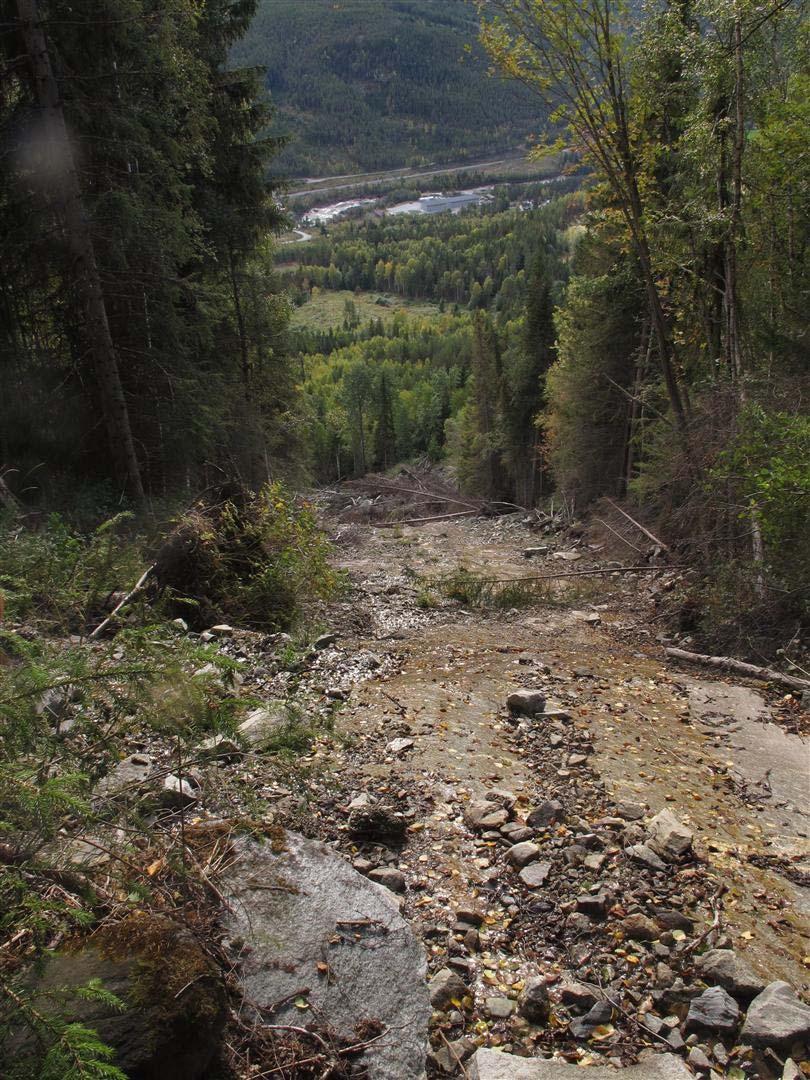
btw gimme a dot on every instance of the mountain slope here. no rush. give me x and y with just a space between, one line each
365 84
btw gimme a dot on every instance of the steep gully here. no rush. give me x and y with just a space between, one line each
423 731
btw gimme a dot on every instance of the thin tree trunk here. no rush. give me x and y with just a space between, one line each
240 319
67 192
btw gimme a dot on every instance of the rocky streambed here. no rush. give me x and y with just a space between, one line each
514 842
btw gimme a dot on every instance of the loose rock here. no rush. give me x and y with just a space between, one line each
776 1018
526 702
668 837
713 1010
722 967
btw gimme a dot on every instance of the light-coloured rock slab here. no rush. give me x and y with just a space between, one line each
298 906
493 1065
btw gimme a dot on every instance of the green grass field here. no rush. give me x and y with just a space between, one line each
327 308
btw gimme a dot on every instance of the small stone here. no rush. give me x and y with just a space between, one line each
176 793
335 693
722 967
499 1008
481 815
362 866
577 995
594 905
664 976
669 919
595 861
791 1070
219 748
390 878
397 747
472 940
547 813
640 928
470 915
776 1018
324 641
535 874
444 987
181 625
523 854
517 834
675 1040
698 1060
577 759
533 1002
645 855
261 724
629 811
221 630
668 837
714 1010
526 702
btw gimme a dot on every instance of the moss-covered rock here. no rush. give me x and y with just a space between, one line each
174 993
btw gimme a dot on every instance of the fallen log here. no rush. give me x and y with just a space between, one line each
576 573
751 670
421 521
638 525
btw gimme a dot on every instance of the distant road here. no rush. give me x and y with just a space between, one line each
359 179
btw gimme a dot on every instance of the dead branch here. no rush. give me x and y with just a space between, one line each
399 489
139 584
422 521
619 536
575 573
638 525
754 672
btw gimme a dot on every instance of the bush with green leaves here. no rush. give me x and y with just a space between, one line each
60 579
253 560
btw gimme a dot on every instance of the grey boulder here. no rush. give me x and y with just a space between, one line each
713 1010
298 905
495 1065
777 1017
261 724
722 967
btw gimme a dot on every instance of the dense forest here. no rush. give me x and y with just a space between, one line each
372 84
140 321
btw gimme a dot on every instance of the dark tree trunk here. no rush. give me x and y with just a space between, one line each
66 192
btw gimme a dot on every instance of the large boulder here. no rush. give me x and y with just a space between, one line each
318 933
173 993
494 1065
777 1017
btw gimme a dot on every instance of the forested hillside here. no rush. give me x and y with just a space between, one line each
371 84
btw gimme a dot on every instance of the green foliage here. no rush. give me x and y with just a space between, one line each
255 561
60 578
424 362
768 462
473 590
